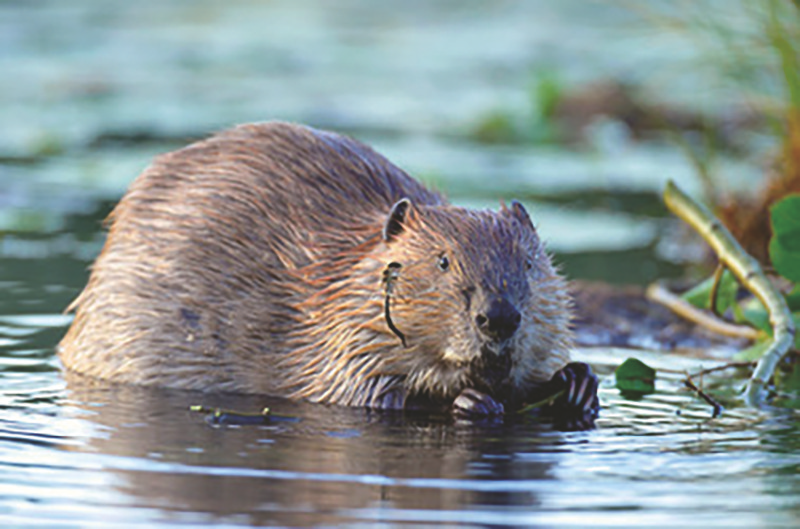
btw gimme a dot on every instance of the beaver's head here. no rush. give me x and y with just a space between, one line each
474 297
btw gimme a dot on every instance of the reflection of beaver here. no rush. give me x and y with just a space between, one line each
283 260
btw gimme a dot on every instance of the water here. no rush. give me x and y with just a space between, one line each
97 455
92 90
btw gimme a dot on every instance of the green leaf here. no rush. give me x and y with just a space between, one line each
790 241
784 248
793 299
785 261
752 353
700 296
754 313
635 378
796 320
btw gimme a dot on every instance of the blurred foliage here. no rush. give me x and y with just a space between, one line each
533 124
753 49
47 144
750 45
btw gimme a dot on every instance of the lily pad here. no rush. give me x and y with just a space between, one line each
635 378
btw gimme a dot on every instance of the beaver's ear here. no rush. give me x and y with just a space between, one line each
394 224
518 211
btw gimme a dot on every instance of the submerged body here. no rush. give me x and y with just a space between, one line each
278 259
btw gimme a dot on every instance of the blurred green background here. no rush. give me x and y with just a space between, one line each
580 109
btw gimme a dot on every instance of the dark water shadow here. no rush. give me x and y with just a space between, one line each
315 464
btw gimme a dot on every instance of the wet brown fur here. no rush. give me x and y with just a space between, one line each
253 262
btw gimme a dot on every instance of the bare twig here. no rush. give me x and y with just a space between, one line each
707 371
219 416
747 270
712 305
689 383
541 404
658 293
729 365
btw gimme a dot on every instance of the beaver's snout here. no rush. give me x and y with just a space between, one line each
499 321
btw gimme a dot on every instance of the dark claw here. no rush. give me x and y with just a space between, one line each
472 403
578 406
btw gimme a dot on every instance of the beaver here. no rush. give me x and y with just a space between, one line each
278 259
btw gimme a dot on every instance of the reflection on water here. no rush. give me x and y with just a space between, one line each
100 452
326 467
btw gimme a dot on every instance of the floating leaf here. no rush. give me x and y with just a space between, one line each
784 248
635 378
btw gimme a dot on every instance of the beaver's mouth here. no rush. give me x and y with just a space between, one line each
491 369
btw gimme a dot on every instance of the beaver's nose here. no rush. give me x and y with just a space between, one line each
500 321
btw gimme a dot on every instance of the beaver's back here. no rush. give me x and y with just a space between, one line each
213 233
308 188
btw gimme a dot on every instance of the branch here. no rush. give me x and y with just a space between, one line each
722 367
747 270
705 396
658 293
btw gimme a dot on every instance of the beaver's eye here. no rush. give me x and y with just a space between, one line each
444 263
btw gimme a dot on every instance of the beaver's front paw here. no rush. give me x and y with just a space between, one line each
473 403
578 406
580 388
